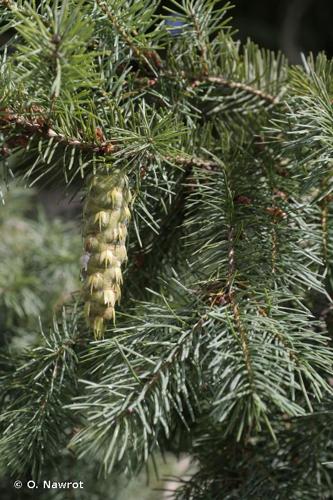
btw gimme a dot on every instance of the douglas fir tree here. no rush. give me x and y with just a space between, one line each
202 324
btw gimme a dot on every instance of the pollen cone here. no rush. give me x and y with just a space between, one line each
106 215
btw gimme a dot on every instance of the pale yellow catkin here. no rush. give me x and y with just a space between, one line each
106 216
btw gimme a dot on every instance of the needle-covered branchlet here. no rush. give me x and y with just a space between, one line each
106 216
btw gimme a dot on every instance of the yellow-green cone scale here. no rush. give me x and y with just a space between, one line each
106 215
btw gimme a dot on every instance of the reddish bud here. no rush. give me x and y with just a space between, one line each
153 57
195 84
280 194
99 134
107 148
276 212
242 200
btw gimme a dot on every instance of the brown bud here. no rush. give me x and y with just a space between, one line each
151 82
242 200
280 194
143 171
99 134
7 115
220 299
153 56
107 148
195 84
37 115
56 39
276 212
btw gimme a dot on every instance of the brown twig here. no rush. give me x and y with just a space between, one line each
197 80
233 301
38 125
220 81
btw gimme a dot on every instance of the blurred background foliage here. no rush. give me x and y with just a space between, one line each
39 257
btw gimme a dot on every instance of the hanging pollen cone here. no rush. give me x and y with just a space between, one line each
106 215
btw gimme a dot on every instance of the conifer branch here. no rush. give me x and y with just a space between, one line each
201 42
156 388
143 55
234 304
35 392
224 272
232 85
198 80
242 86
120 29
324 210
38 125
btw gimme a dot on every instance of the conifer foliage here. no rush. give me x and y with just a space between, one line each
205 168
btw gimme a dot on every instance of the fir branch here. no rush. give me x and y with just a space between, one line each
214 243
33 420
298 467
139 404
193 161
196 80
38 125
149 58
218 80
235 306
201 41
51 49
245 324
324 209
120 29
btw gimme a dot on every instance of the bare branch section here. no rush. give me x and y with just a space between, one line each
37 125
